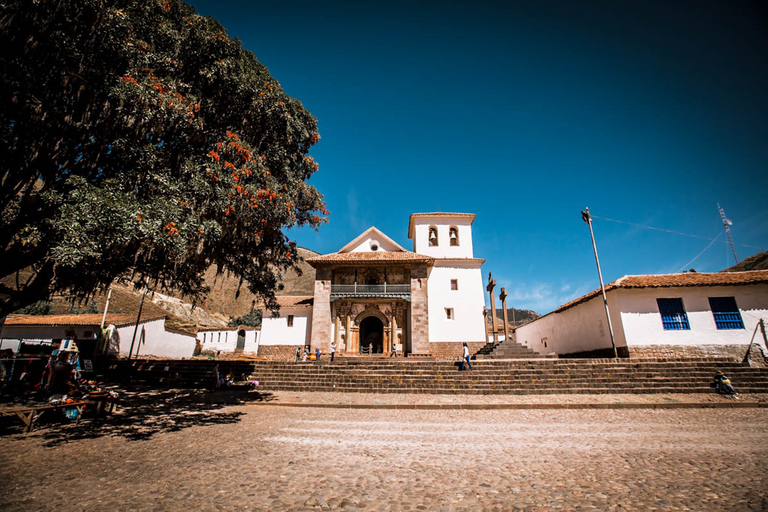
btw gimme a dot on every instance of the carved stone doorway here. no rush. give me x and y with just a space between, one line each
371 335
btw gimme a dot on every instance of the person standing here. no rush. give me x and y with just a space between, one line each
466 357
298 353
333 350
317 354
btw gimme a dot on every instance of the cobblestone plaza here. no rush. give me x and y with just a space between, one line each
254 457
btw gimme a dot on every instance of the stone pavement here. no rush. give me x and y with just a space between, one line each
194 453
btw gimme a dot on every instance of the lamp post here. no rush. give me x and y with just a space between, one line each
586 217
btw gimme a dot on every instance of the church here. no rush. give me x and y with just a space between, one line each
373 295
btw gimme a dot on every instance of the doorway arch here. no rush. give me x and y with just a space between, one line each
372 334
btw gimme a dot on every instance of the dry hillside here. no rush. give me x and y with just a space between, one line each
223 297
757 261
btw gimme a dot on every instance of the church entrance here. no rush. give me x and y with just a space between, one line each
371 336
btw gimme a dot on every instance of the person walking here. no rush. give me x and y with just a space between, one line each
333 350
466 358
317 354
394 351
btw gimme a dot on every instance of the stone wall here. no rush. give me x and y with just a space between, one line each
453 349
735 352
278 352
419 310
321 311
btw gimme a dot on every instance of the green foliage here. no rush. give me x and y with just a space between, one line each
41 307
251 319
139 139
92 308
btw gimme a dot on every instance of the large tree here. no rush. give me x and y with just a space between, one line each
139 139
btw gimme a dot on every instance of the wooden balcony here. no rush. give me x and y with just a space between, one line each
386 290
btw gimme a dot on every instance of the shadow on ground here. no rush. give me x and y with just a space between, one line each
142 412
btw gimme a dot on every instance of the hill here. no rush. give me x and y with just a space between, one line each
757 261
515 316
215 311
223 298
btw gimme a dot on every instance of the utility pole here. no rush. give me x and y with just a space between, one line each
586 217
727 225
106 308
138 317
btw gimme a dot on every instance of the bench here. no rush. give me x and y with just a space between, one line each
29 414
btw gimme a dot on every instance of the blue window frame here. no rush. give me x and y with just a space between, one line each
673 316
726 313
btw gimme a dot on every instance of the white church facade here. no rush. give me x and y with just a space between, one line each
373 294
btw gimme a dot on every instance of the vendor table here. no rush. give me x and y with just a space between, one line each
29 414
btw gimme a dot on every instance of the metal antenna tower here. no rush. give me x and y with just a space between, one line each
727 224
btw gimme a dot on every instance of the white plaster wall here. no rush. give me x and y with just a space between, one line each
225 340
275 331
365 245
46 332
444 249
153 340
579 329
467 303
642 320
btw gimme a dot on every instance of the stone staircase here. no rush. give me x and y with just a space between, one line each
533 376
506 349
490 376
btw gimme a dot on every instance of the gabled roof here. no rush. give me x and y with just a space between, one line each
378 257
470 216
687 279
87 320
370 232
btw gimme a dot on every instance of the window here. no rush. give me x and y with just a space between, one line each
673 316
454 284
726 313
290 320
453 235
449 313
432 236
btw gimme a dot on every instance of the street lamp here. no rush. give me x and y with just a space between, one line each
586 217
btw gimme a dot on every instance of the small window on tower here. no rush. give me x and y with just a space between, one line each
454 284
290 320
453 234
449 313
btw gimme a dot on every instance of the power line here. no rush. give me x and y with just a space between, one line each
671 231
702 252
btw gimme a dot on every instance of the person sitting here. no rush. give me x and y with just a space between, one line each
723 385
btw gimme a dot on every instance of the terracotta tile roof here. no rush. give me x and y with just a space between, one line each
226 328
294 301
687 279
377 257
436 214
88 320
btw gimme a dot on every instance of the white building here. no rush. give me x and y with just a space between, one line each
669 315
373 294
229 339
151 338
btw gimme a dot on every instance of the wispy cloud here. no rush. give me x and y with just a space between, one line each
541 297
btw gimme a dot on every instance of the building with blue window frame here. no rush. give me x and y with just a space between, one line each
669 315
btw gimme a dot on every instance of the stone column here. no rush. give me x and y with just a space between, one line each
321 310
337 328
503 297
419 310
348 333
490 287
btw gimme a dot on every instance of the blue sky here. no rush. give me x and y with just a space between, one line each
524 113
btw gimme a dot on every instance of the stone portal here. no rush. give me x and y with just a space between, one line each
372 335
